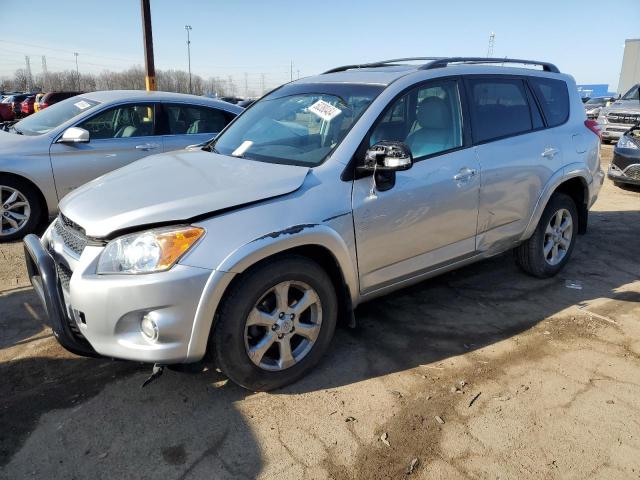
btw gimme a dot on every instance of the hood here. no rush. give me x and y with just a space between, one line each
13 141
625 106
174 187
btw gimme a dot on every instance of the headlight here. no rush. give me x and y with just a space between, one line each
146 252
626 142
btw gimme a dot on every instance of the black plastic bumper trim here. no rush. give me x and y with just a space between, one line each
44 278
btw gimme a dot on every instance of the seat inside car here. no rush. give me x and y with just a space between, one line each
435 131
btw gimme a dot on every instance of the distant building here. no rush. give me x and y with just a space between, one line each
594 90
630 72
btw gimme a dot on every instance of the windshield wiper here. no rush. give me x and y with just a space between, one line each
19 132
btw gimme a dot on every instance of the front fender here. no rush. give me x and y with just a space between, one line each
292 237
265 246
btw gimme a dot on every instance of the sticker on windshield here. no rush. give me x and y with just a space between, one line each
244 146
82 104
325 110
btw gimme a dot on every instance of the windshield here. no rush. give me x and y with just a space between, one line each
299 124
632 94
46 120
596 101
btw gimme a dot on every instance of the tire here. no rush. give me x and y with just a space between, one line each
16 192
531 257
254 293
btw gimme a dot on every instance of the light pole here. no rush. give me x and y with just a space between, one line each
188 28
77 70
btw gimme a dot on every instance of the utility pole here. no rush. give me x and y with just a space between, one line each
147 37
492 41
298 71
44 73
291 71
188 29
77 70
261 84
27 62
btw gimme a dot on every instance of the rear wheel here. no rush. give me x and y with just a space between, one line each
275 324
20 209
549 248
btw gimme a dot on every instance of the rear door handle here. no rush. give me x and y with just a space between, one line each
465 174
147 146
549 152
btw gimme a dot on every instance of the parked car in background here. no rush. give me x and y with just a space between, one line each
247 102
81 138
26 107
6 109
625 166
621 115
15 101
593 105
50 98
36 103
233 100
246 249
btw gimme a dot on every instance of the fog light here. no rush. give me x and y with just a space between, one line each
149 328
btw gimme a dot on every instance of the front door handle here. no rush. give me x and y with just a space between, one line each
147 146
465 174
549 152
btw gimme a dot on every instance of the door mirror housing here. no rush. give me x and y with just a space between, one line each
75 135
387 156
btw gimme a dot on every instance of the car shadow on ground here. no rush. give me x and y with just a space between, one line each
450 315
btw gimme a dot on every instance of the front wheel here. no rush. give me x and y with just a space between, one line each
20 209
276 323
549 248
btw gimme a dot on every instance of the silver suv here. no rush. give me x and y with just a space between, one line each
326 193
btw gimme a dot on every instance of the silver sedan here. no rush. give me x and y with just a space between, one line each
46 155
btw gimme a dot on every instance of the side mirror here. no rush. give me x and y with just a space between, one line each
75 135
387 156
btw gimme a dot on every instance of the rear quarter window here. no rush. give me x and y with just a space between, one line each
554 99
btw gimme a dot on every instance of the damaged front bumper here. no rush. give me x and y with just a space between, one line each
100 315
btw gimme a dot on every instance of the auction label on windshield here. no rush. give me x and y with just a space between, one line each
82 104
325 110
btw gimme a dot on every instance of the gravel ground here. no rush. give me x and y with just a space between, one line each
480 373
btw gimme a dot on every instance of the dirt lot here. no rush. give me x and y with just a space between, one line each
480 373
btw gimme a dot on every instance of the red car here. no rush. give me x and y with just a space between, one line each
6 111
26 107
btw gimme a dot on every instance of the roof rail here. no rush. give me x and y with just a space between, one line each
382 63
443 62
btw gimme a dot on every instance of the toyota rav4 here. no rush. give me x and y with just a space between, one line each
327 192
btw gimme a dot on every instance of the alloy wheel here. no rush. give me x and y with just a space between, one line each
15 210
283 325
557 237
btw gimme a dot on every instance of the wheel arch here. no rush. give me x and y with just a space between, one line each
576 185
319 243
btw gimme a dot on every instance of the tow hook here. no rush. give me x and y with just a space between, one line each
155 374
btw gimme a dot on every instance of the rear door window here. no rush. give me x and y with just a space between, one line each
554 99
499 108
190 119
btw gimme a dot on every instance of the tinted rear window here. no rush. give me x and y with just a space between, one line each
499 108
554 99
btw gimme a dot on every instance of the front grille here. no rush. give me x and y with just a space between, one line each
625 118
72 234
633 172
64 275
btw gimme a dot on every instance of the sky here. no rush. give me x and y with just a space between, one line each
253 37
